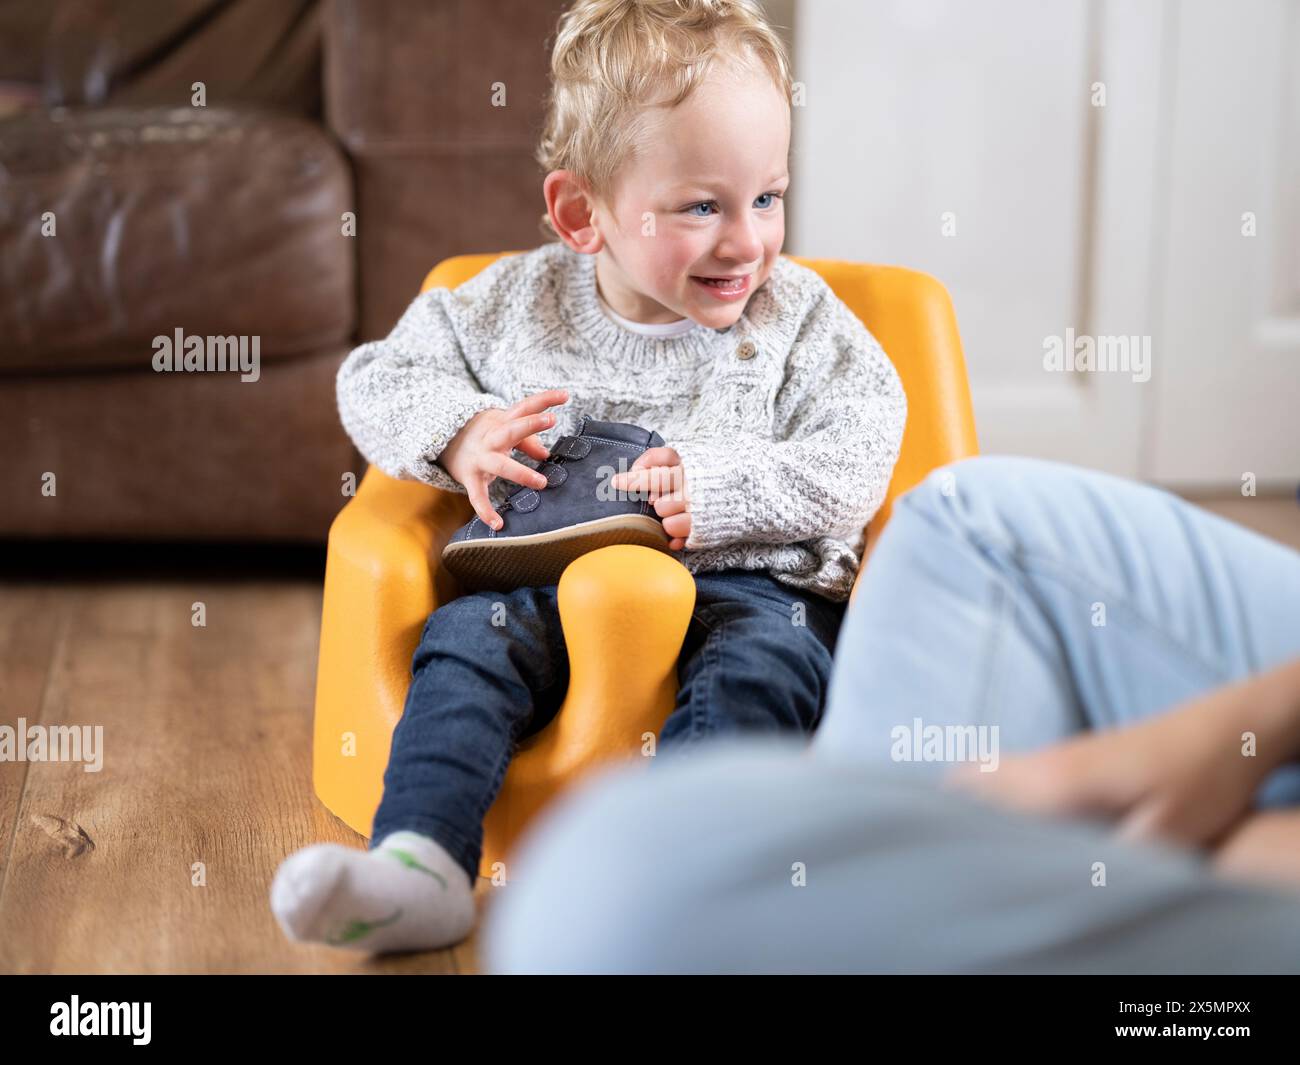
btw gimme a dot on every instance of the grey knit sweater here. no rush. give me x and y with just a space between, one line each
788 422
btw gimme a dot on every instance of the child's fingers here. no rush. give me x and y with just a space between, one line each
504 436
534 448
516 471
535 404
478 499
678 525
666 506
656 480
657 456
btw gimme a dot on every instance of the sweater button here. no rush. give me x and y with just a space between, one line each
746 350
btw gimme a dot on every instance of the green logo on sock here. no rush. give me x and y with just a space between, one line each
356 928
409 861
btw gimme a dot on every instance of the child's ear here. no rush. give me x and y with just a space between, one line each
570 211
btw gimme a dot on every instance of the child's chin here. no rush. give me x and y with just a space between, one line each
723 315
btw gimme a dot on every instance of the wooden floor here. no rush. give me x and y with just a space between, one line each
206 758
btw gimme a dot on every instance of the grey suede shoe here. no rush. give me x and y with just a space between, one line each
578 511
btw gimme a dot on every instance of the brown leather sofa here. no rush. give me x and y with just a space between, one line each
128 214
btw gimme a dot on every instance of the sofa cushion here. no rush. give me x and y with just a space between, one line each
137 53
209 220
140 455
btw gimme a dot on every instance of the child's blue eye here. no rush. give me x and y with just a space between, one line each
710 203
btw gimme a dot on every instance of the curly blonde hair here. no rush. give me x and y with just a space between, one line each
613 59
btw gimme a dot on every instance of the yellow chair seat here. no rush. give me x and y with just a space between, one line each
624 610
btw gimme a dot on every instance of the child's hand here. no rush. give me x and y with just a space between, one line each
480 452
659 472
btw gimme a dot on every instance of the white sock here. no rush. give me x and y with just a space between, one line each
408 893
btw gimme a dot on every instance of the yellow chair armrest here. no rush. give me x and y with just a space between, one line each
625 611
382 582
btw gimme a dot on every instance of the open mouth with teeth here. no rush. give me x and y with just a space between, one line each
723 284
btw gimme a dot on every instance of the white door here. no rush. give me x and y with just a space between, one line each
1058 167
1227 396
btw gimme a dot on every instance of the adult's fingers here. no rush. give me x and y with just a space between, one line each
1018 782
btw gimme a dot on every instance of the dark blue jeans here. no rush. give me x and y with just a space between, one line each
753 660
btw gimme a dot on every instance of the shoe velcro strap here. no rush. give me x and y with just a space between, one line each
571 447
554 473
525 501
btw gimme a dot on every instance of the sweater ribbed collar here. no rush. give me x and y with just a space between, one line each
580 303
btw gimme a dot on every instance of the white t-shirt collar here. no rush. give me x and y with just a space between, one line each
655 329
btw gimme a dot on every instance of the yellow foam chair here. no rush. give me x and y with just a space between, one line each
624 609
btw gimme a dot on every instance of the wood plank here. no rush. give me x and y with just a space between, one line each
206 758
30 617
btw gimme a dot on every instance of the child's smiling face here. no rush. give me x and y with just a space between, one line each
702 199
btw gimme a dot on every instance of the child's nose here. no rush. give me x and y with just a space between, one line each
740 242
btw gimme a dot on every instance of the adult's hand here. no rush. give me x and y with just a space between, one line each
1188 775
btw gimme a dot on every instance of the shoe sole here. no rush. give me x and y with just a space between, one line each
501 564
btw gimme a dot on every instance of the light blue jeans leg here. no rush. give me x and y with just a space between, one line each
751 856
1045 599
978 607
